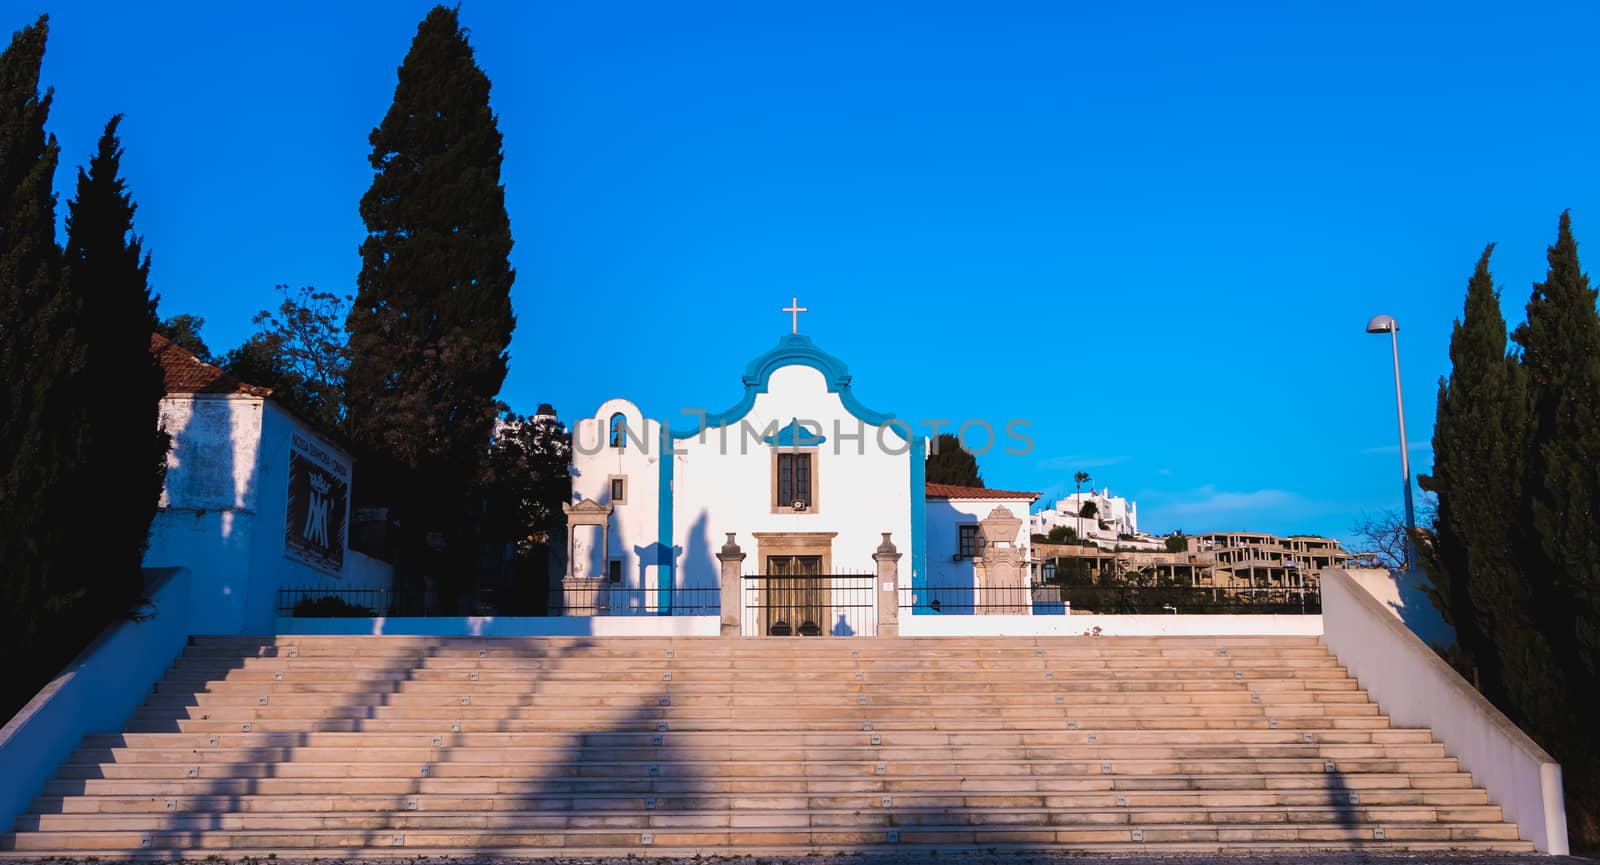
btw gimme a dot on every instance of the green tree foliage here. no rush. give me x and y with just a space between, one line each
79 392
1062 535
108 280
184 329
432 315
1561 355
1560 548
951 463
1089 510
1478 443
525 483
42 448
300 351
1516 533
527 477
1176 542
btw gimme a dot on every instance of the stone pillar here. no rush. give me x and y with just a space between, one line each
732 605
888 588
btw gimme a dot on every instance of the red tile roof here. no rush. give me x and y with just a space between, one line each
185 373
951 491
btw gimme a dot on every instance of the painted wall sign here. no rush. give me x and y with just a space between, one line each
319 498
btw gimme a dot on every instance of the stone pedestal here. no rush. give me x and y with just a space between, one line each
580 596
1003 586
888 588
731 558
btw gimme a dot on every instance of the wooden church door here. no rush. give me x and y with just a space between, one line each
797 596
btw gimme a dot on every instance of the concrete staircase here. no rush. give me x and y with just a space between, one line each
401 746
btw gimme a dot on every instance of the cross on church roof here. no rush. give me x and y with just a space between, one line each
794 309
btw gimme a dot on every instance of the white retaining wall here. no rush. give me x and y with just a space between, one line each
508 626
1416 688
925 625
97 692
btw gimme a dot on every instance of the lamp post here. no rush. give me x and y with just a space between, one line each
1387 324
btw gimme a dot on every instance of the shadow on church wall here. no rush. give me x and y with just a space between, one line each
698 568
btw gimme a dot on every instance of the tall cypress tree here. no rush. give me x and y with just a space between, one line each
41 356
432 315
1478 443
1561 544
108 277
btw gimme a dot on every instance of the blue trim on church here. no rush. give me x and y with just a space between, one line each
667 572
792 350
919 513
794 435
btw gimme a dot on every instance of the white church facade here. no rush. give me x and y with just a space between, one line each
804 508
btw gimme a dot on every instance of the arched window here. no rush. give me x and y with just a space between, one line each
619 430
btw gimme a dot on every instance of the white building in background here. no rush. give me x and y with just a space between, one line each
968 528
254 500
1115 520
816 503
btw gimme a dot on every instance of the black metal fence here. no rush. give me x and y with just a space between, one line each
1192 600
322 602
809 605
616 599
975 601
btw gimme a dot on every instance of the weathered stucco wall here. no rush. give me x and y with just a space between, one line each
224 511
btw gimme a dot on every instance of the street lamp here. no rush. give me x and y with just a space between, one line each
1387 324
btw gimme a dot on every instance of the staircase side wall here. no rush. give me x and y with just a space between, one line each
97 692
1416 688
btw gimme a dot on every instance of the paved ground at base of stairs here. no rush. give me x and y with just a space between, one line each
911 857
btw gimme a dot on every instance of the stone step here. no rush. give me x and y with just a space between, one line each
651 722
674 751
722 646
754 837
567 682
463 708
689 698
1192 800
896 815
761 739
912 660
673 765
860 782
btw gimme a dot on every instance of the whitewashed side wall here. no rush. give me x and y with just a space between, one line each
1416 688
1110 626
271 568
224 511
98 691
510 626
943 518
635 526
723 482
207 520
1404 594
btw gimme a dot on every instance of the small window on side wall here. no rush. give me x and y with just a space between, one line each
614 571
619 490
968 545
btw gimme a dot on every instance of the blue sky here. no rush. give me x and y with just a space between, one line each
1155 232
